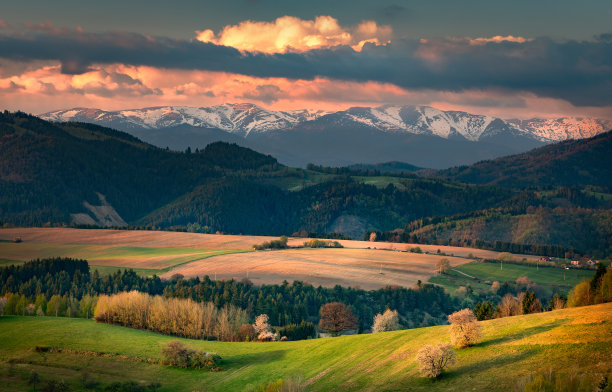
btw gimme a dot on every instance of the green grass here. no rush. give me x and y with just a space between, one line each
548 278
511 349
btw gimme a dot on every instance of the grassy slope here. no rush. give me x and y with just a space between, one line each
549 279
512 348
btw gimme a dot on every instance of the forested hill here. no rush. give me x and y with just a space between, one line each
82 174
48 170
569 163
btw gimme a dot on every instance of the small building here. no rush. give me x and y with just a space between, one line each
576 263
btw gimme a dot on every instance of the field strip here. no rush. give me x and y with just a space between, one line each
463 273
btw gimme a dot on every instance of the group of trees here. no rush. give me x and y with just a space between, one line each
596 290
465 331
171 316
65 287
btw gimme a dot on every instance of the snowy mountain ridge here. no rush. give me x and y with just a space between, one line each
244 119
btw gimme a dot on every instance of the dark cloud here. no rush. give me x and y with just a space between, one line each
393 11
266 93
579 72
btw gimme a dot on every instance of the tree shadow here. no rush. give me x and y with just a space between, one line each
482 366
247 359
522 333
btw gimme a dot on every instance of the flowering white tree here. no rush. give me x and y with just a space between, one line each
388 321
465 329
433 359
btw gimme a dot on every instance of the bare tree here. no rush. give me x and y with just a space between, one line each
465 329
443 265
433 359
509 306
388 321
336 317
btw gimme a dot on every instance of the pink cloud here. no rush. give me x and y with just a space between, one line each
289 33
119 86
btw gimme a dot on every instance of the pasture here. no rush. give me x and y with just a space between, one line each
512 350
476 274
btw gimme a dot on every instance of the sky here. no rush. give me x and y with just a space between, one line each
518 59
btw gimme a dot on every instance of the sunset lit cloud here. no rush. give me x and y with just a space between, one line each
291 34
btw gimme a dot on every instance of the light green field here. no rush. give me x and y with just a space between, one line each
512 349
548 278
106 258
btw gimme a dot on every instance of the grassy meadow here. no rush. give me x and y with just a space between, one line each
512 350
549 279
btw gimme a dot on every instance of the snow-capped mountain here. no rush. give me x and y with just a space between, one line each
562 128
245 119
241 119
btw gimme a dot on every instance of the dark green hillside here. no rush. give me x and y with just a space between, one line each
48 170
569 163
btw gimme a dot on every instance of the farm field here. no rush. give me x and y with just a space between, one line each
512 350
368 265
145 260
364 268
549 279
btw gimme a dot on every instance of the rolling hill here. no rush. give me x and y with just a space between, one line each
568 163
513 350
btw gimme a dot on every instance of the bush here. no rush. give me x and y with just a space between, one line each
465 329
176 354
281 243
433 359
314 243
388 321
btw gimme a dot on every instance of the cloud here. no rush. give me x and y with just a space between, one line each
498 39
266 93
291 34
579 72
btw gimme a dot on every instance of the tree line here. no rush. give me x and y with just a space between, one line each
285 303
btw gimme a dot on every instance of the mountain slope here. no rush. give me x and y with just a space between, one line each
358 135
49 171
572 162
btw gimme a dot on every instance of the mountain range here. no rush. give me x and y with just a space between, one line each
86 175
359 135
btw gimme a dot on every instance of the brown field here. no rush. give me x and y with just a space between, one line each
364 264
364 268
168 239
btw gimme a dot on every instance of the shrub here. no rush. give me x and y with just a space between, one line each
433 359
176 354
465 329
314 243
388 321
281 243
